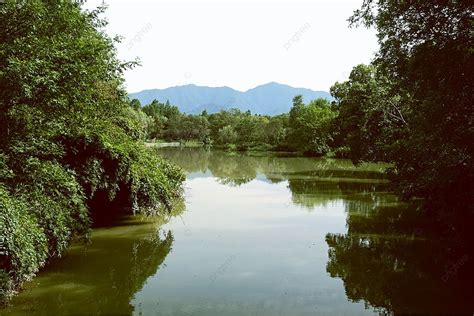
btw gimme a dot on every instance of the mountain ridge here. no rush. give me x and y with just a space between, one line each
271 98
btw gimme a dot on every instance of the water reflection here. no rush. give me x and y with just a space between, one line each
311 181
243 247
100 277
395 258
398 259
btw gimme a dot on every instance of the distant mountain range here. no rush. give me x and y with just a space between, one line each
271 98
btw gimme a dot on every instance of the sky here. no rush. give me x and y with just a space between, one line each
238 44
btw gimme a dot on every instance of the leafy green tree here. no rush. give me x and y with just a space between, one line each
220 120
69 137
165 121
135 104
248 129
309 126
370 117
199 127
426 52
275 131
227 136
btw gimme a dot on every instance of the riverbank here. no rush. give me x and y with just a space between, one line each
162 144
232 148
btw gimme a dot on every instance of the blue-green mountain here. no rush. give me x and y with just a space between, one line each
271 98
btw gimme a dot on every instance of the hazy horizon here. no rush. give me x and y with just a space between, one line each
238 45
225 86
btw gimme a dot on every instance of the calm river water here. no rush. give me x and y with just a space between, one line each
261 235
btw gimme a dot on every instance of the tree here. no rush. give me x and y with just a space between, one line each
165 120
135 104
220 120
69 137
275 131
248 130
309 126
426 50
370 117
226 136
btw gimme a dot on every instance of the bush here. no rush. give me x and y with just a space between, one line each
23 248
70 139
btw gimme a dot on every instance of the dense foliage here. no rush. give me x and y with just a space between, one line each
307 128
414 106
310 126
70 141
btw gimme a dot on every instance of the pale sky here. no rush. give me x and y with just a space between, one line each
238 44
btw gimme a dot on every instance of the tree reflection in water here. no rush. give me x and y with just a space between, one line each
399 259
100 277
312 181
395 257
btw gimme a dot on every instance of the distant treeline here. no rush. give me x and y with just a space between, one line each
306 128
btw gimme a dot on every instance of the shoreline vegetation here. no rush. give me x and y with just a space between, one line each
72 155
72 144
157 144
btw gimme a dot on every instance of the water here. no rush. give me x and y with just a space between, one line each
262 235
